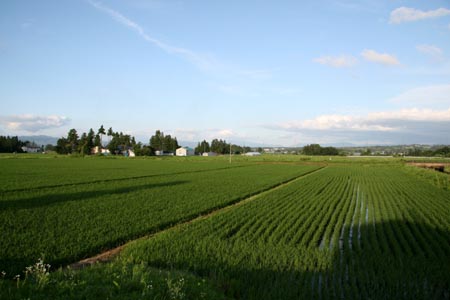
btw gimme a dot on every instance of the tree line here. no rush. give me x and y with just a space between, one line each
220 146
116 142
440 152
316 149
10 144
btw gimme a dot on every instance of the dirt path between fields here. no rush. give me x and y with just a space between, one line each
110 254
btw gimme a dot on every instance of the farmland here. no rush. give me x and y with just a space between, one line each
343 232
72 208
350 229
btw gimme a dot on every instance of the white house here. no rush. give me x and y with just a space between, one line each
209 154
185 151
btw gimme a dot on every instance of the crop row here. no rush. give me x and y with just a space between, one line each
28 174
70 222
344 232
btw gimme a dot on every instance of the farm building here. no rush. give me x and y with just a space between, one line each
252 154
98 150
31 149
209 154
185 151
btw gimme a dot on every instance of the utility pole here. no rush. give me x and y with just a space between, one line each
230 153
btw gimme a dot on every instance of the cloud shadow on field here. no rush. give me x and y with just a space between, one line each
49 199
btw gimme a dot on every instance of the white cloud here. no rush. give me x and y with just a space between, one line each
425 95
407 14
337 61
381 58
375 121
225 133
32 123
403 126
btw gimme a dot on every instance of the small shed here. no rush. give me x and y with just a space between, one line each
185 151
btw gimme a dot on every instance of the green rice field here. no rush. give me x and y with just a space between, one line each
268 229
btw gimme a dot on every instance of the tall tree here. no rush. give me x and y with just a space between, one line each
62 146
90 139
156 141
220 146
83 147
97 141
110 134
72 139
101 132
170 144
202 147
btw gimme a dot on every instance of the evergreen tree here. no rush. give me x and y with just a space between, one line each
101 132
97 141
90 140
110 134
156 141
62 146
72 139
202 147
11 144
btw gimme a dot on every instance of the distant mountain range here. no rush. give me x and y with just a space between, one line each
39 139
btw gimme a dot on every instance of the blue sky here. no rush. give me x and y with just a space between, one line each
251 72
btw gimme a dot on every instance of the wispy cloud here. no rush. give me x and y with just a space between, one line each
432 51
381 58
407 14
425 95
342 61
202 61
195 58
32 123
403 126
429 49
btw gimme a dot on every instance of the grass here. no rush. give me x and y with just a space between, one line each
117 280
